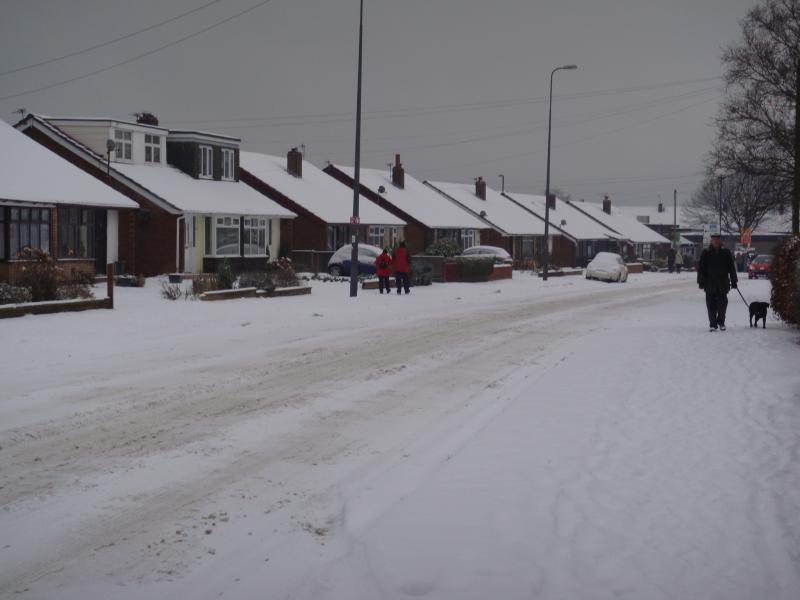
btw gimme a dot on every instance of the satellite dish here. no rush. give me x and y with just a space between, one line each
110 145
381 189
563 222
483 213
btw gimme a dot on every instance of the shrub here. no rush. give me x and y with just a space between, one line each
13 294
171 291
421 274
225 276
258 279
42 276
784 273
281 272
206 282
443 247
474 269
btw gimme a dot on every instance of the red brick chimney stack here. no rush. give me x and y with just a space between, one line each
607 205
398 173
551 200
294 162
480 188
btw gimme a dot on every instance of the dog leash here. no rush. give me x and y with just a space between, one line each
742 297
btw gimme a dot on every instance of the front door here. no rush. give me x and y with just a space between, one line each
188 247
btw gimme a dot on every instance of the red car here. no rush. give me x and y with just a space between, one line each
759 267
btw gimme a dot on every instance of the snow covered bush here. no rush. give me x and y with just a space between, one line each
225 276
474 269
13 294
282 274
784 275
258 279
443 247
46 280
171 291
205 282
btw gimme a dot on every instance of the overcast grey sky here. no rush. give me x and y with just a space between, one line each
455 86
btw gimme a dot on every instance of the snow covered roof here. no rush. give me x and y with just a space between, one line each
567 218
627 226
202 195
499 211
316 191
29 172
426 205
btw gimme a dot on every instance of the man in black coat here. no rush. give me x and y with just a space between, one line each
716 274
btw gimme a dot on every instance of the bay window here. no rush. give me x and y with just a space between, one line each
227 236
227 164
123 144
467 238
28 228
375 235
206 162
152 148
76 232
255 236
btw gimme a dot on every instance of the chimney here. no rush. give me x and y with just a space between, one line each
398 173
660 207
480 188
294 162
607 205
551 201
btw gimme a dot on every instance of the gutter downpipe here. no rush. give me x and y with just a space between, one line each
178 221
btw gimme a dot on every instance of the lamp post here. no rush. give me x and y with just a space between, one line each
354 220
547 187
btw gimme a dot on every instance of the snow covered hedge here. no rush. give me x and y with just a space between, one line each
785 278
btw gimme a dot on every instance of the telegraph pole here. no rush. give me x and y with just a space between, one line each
355 220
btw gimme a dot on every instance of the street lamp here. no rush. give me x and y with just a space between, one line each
355 220
547 187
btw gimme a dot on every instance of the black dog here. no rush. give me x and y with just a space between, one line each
759 311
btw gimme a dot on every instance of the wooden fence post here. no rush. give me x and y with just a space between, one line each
110 284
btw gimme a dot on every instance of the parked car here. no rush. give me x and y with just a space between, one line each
607 266
500 256
339 263
759 267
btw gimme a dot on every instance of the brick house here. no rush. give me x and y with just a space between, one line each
48 204
587 235
193 211
516 230
639 240
429 215
323 206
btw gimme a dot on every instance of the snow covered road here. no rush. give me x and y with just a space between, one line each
512 440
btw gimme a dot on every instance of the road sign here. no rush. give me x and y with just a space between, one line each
355 220
709 229
747 236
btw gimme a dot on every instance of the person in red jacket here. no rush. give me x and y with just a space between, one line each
383 269
402 267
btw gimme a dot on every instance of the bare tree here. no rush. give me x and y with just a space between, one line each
744 200
758 124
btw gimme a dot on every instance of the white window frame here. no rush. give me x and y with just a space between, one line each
257 225
123 145
206 160
228 164
468 238
232 222
376 232
152 149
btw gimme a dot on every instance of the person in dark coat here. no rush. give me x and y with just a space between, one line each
716 275
383 269
671 260
402 267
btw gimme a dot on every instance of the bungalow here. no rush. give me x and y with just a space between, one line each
518 231
641 241
193 211
324 207
429 216
48 204
589 235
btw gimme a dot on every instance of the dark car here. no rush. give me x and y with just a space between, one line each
759 267
339 264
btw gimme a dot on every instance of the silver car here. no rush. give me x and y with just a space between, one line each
607 266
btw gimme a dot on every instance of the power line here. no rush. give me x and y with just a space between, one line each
139 56
109 42
324 118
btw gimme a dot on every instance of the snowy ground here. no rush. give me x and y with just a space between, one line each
515 439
